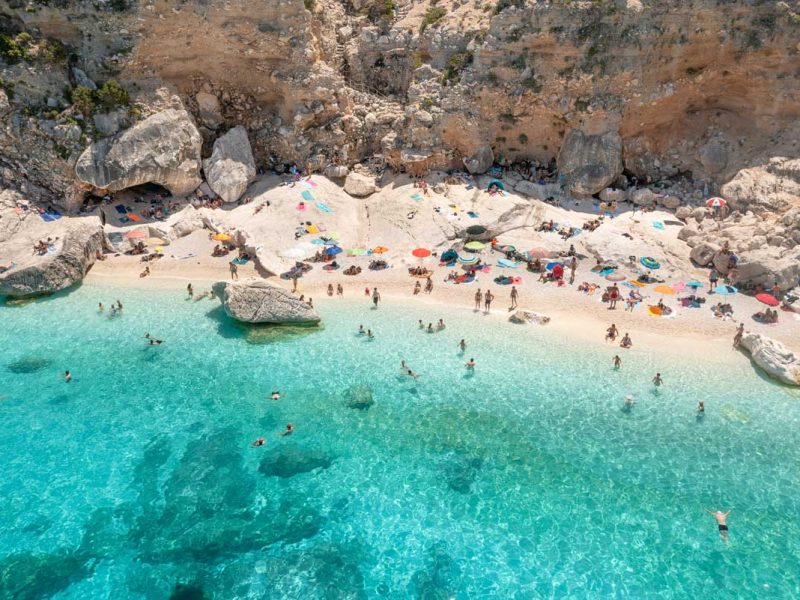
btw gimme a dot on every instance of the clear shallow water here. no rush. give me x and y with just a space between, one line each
526 480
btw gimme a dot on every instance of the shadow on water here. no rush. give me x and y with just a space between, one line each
29 364
440 579
259 333
21 302
187 591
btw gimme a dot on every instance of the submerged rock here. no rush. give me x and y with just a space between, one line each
522 317
461 474
257 301
290 460
231 167
162 149
29 364
773 357
68 263
359 397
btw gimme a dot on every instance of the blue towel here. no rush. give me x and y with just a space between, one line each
307 195
52 215
120 208
124 220
324 207
416 197
658 225
472 215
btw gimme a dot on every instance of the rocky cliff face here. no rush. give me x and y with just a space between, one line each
697 86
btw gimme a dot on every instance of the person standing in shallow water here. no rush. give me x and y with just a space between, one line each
190 291
488 300
657 381
617 362
478 299
376 297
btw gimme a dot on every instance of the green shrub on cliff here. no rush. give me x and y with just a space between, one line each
112 94
82 100
432 16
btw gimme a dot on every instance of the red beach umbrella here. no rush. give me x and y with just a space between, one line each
716 202
421 252
539 253
767 299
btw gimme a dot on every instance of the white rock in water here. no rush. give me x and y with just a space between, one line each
231 167
773 357
257 301
68 264
522 317
162 149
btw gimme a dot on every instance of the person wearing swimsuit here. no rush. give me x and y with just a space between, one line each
722 524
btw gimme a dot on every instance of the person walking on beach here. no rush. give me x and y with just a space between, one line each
376 297
478 299
330 290
572 266
339 290
514 296
294 282
234 270
713 278
657 381
190 291
612 332
428 285
722 522
488 300
737 339
617 362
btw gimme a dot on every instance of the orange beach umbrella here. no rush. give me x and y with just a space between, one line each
421 252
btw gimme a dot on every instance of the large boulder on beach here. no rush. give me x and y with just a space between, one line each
590 163
163 149
178 225
231 167
773 357
767 267
359 185
480 161
71 257
774 186
703 254
257 301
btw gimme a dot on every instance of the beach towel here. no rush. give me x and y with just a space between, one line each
309 183
124 220
50 216
312 229
416 197
134 217
605 272
504 262
658 225
324 207
308 196
301 206
472 215
120 208
505 193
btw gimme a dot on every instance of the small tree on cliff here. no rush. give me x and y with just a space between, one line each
82 100
112 95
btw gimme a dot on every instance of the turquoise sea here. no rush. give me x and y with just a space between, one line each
526 479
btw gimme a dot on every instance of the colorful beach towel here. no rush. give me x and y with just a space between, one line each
120 208
416 197
324 207
301 206
308 196
134 217
309 183
658 225
472 214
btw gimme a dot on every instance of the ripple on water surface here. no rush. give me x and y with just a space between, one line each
525 479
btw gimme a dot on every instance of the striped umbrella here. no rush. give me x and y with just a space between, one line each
615 277
468 260
716 202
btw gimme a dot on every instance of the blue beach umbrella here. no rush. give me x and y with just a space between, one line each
694 284
332 250
468 260
725 290
551 265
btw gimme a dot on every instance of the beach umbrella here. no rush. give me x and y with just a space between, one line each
539 252
333 250
421 252
615 277
222 237
468 260
476 230
136 234
380 250
551 265
475 246
664 289
725 290
650 262
716 202
694 284
767 299
558 271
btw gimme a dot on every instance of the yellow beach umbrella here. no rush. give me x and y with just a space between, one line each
222 237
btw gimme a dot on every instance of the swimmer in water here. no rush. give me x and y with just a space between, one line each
462 345
430 327
470 364
421 324
629 400
403 366
155 342
100 307
722 523
617 362
67 376
288 431
361 330
657 381
411 374
440 325
370 335
701 407
276 395
258 442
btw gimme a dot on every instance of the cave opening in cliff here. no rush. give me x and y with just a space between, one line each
148 191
